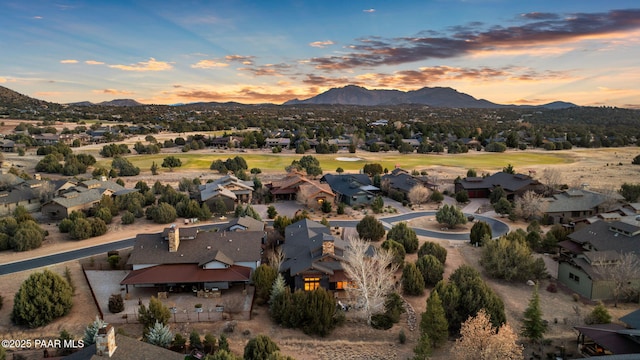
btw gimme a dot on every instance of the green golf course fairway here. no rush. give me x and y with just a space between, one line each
269 162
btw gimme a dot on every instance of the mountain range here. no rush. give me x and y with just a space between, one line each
349 95
429 96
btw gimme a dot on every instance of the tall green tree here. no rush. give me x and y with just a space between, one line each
412 280
156 312
433 321
263 278
533 326
370 229
479 232
43 297
405 236
431 269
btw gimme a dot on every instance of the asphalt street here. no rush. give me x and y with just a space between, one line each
498 228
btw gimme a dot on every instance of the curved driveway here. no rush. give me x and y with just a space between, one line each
498 228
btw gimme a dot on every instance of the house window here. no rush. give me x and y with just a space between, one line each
311 283
341 285
574 277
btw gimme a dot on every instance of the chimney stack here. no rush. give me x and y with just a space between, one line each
106 341
174 238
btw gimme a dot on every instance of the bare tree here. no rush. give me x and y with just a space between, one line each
611 198
275 257
552 178
622 272
530 205
45 191
371 272
418 195
480 340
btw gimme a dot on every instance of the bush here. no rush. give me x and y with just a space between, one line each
599 315
552 288
381 321
43 297
116 303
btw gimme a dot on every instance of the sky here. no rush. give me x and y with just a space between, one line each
169 52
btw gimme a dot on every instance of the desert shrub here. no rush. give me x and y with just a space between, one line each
435 249
381 321
552 288
116 303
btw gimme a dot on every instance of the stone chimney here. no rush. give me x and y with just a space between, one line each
106 341
328 247
174 238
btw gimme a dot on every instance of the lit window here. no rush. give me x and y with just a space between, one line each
341 285
311 283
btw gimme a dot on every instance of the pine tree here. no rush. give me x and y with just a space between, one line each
533 326
280 300
91 331
434 322
160 335
412 280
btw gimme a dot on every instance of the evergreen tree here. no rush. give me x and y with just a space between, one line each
405 236
280 300
433 322
450 216
533 326
91 331
370 229
480 231
423 349
263 278
42 298
157 312
431 269
160 335
412 281
259 348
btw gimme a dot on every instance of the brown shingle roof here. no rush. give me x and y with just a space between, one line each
237 246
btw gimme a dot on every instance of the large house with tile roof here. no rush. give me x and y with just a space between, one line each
189 258
575 204
313 257
351 189
229 189
81 198
592 248
513 185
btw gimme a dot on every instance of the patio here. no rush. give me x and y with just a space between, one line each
234 303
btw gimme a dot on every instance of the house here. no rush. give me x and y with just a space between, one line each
313 257
180 258
287 187
313 194
25 194
110 345
227 141
513 185
295 185
81 197
229 188
400 180
574 204
244 223
592 248
351 189
273 142
611 339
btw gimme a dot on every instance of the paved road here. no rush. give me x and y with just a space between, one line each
498 228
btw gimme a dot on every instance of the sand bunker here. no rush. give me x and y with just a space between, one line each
349 159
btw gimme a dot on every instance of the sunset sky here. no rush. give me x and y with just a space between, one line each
167 52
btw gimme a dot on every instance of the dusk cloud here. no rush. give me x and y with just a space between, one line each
321 44
151 65
94 62
209 64
243 59
113 92
68 61
372 10
543 28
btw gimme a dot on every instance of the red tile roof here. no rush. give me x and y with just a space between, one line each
185 273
